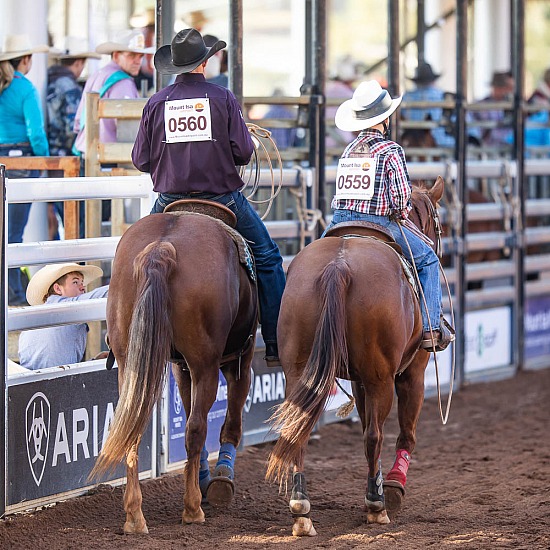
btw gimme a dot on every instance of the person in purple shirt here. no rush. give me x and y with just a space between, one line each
191 136
113 81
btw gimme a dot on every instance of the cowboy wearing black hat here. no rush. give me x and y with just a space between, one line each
191 136
426 90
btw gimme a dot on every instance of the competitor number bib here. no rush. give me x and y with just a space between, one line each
187 120
355 178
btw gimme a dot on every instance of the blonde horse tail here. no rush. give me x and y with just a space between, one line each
149 345
296 417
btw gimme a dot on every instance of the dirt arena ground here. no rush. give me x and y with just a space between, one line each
482 481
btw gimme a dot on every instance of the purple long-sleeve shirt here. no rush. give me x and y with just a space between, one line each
123 89
184 167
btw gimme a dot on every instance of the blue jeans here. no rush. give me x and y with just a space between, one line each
425 260
269 263
18 215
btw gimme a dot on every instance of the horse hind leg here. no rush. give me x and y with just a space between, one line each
300 507
379 399
135 521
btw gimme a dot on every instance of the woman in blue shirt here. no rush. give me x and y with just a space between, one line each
21 134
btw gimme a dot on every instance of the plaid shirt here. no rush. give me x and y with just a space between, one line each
392 187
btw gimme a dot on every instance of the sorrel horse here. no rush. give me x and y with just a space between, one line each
178 286
349 311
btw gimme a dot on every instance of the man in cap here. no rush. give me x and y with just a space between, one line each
62 345
426 90
191 136
368 112
113 81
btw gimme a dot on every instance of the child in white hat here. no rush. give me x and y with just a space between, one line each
66 344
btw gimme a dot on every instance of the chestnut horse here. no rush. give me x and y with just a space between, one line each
349 311
178 287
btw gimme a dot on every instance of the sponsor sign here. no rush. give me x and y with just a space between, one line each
488 339
267 390
56 429
177 419
537 327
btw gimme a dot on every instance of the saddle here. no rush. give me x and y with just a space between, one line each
203 206
364 229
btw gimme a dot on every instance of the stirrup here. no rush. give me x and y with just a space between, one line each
440 341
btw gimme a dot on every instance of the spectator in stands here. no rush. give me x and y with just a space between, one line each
541 95
426 90
115 81
22 133
502 133
63 97
340 86
64 94
216 68
62 345
283 137
145 21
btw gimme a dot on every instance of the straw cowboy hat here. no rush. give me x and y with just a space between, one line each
424 74
19 45
43 279
143 18
186 53
73 48
133 41
369 106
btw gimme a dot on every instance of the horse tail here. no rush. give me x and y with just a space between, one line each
149 345
296 417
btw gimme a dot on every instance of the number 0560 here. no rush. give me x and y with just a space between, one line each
190 123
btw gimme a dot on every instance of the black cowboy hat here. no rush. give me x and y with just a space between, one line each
424 73
186 53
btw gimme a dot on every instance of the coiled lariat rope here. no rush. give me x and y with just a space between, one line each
444 417
253 169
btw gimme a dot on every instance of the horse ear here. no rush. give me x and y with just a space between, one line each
436 191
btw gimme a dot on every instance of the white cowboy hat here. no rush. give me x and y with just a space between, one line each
143 18
132 41
73 47
43 279
369 106
19 45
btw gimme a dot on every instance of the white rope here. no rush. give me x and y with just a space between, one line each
444 417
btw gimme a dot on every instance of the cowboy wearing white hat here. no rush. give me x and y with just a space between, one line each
64 93
22 133
114 80
386 196
19 45
61 345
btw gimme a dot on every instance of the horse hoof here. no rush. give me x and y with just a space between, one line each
220 492
135 528
378 517
303 527
299 507
393 495
193 518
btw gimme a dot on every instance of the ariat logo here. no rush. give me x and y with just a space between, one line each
199 107
37 420
365 166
